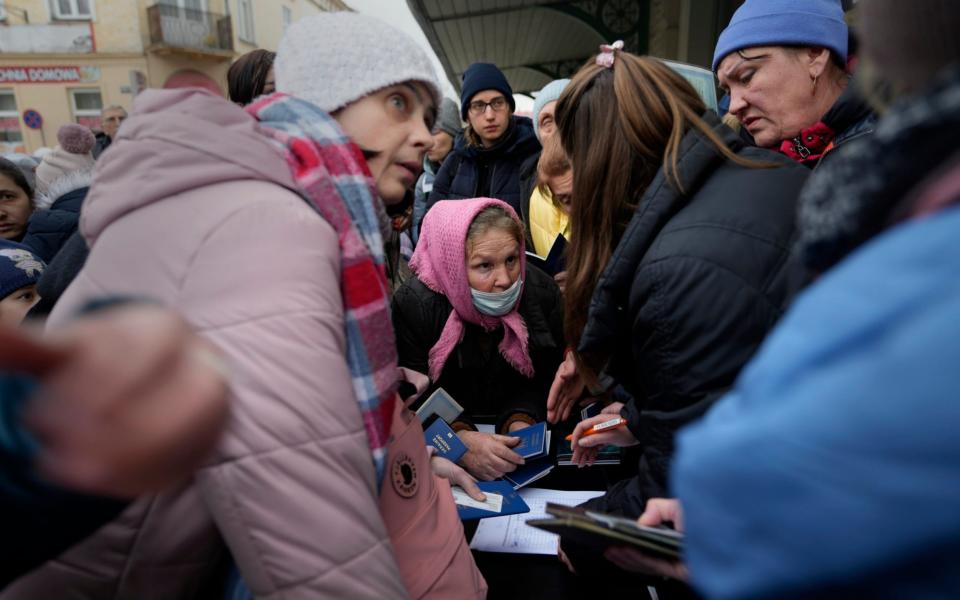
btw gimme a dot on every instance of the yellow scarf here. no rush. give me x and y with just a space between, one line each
547 221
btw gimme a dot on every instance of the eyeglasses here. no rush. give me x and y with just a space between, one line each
478 107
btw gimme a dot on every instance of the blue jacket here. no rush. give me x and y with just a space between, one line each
831 470
50 229
471 172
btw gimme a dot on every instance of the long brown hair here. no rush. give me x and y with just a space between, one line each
619 126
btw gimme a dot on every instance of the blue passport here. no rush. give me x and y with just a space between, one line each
445 440
533 441
511 504
530 472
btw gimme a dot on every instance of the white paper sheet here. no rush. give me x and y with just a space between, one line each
511 534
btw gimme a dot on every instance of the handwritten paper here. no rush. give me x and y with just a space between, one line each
512 535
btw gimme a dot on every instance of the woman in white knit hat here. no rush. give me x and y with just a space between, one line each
262 227
63 179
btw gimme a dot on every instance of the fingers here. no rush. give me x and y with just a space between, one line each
506 440
456 475
507 454
568 407
585 457
660 510
24 354
552 398
635 561
612 409
469 485
556 398
115 357
505 459
598 440
145 441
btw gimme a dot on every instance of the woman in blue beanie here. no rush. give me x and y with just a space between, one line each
784 65
829 471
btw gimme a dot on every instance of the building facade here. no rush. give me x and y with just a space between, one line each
62 61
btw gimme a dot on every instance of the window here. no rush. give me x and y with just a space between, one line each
287 18
10 133
87 105
245 20
73 9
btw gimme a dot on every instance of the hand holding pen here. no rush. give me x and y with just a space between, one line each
594 433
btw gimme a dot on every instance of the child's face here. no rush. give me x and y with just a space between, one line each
14 307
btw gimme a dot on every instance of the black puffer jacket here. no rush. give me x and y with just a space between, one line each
59 274
695 284
476 374
528 182
851 116
472 172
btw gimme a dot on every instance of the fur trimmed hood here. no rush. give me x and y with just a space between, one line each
62 186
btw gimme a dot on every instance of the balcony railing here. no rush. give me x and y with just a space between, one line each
193 31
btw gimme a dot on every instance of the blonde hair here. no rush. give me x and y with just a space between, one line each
489 219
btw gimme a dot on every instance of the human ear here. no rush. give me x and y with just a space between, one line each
816 60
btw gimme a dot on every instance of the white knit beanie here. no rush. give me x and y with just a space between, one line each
71 154
333 59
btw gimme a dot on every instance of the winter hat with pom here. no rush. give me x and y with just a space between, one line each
333 59
71 155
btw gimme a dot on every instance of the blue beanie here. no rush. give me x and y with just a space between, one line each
19 267
548 94
483 76
784 23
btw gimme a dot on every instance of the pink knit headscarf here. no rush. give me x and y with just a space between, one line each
440 263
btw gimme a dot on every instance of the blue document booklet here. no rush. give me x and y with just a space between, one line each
532 471
533 441
553 262
502 500
445 440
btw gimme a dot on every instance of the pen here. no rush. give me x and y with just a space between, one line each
601 427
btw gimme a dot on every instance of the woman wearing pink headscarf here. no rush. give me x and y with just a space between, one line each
486 328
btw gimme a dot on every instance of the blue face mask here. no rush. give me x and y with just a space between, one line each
497 304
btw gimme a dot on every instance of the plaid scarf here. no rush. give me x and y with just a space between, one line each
332 176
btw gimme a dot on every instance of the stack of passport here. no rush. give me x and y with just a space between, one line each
534 447
502 498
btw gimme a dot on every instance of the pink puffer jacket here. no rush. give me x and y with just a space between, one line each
190 210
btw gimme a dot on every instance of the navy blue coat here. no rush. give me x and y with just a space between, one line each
473 172
50 229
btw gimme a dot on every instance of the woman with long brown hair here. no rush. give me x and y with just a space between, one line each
677 260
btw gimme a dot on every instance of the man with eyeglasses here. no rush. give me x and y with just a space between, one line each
486 159
110 119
